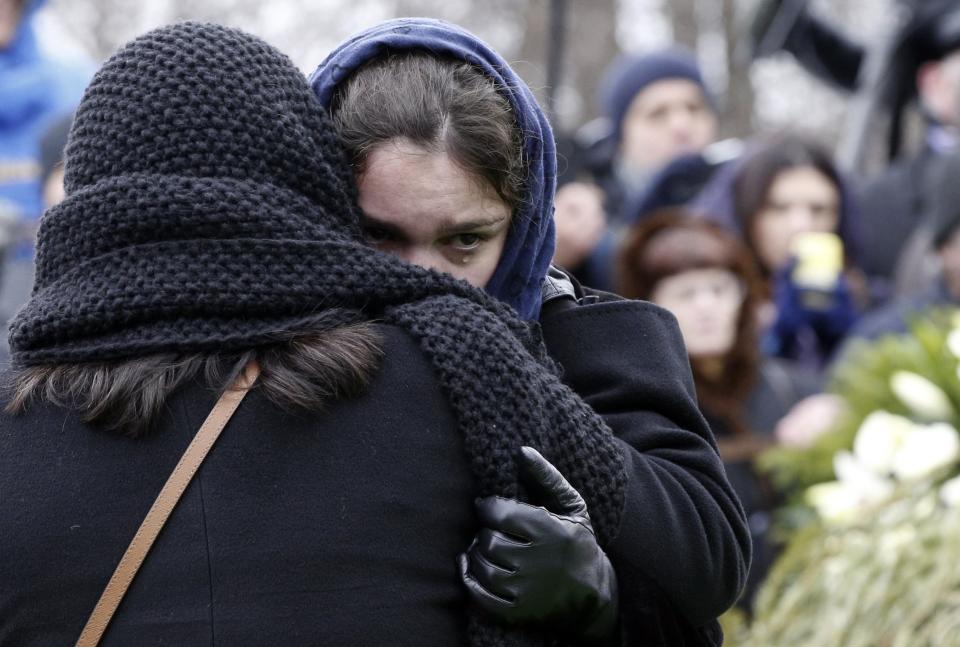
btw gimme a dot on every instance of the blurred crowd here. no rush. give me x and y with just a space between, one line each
770 254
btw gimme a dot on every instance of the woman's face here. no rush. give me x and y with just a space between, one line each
422 207
706 303
801 199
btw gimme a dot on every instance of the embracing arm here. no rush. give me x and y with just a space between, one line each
682 527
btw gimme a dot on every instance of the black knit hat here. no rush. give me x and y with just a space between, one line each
207 102
192 145
630 74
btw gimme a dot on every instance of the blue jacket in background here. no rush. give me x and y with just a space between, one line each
35 90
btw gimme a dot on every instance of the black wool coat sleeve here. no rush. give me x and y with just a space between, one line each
683 530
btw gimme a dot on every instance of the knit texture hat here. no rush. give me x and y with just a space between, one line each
184 139
530 243
209 205
630 74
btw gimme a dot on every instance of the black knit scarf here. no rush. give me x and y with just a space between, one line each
209 205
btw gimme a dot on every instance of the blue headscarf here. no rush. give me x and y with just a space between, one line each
530 243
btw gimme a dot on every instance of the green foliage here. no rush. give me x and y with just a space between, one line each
793 470
891 581
862 379
889 577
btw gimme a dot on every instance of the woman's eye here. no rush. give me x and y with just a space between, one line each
376 235
725 288
822 211
659 114
466 242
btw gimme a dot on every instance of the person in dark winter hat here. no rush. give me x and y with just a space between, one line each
621 95
656 107
211 226
450 151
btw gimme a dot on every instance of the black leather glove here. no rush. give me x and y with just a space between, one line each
542 564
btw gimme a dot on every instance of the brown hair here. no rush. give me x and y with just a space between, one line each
301 370
672 241
751 188
441 104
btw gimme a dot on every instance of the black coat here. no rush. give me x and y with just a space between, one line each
684 533
779 385
290 512
337 529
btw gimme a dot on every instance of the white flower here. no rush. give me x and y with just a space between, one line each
835 502
856 489
870 486
892 543
924 398
950 492
925 450
879 437
953 342
839 502
925 507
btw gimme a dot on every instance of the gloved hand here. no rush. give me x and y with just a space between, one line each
542 564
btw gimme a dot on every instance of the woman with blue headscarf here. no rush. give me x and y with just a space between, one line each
456 167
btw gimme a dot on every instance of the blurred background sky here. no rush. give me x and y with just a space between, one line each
768 95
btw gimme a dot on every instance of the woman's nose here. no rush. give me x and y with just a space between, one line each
421 256
801 220
681 125
705 299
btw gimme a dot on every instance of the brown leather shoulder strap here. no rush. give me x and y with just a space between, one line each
160 511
